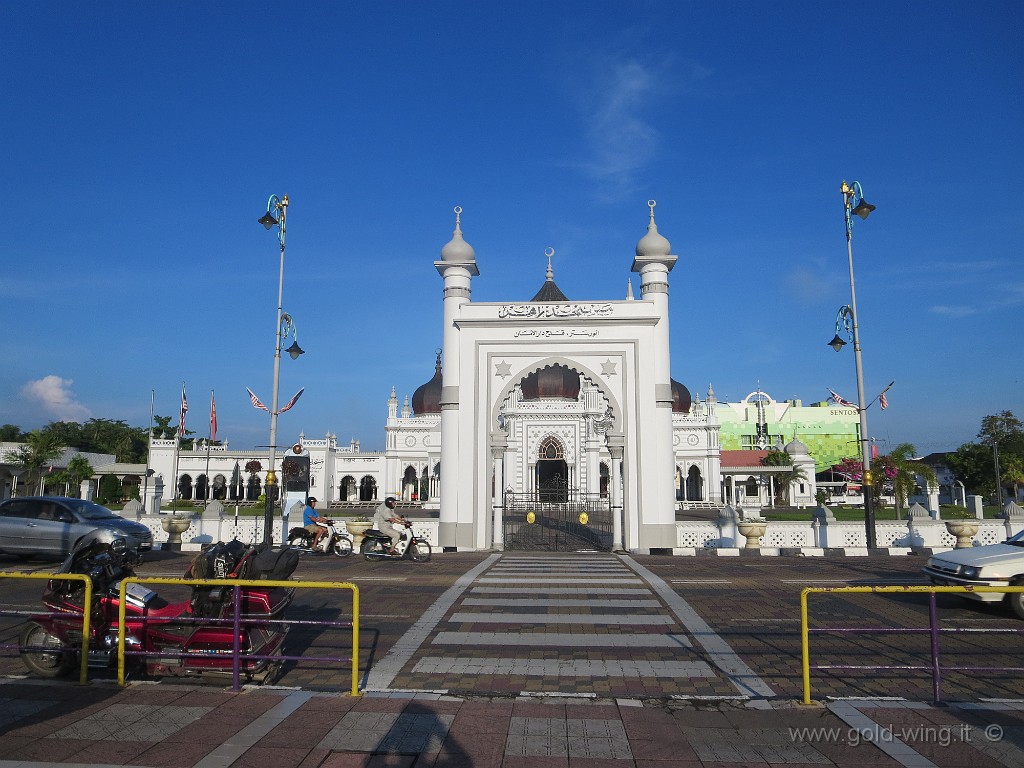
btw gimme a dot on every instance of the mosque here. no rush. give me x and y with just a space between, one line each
551 423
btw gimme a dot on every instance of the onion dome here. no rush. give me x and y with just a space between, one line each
427 398
681 399
652 245
554 381
796 448
457 249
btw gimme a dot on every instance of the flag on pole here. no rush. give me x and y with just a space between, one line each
256 401
213 418
883 401
184 410
294 400
838 400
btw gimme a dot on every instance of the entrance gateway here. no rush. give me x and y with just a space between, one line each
557 518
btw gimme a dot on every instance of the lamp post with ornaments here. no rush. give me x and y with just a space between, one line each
847 321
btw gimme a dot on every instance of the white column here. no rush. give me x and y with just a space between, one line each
615 444
498 446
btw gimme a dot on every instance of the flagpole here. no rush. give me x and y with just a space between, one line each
149 446
209 488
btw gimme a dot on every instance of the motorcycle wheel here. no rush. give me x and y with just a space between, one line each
372 549
342 547
57 663
419 551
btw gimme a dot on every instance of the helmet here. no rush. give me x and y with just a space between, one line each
311 499
390 500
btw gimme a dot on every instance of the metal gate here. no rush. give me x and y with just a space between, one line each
557 519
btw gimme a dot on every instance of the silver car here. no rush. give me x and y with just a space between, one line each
53 525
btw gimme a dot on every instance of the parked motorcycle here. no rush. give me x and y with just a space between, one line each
51 643
409 546
334 541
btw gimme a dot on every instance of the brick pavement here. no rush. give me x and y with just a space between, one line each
576 698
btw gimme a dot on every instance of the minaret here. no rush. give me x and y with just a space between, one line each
457 267
654 260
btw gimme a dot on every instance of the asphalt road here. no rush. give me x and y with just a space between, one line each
637 626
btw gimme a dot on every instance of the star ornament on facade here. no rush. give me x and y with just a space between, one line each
608 368
503 369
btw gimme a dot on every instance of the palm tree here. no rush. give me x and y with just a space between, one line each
903 471
38 450
79 469
783 480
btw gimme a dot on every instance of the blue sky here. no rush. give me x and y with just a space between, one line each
143 141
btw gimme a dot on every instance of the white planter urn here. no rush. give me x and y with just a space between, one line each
175 525
752 530
964 530
357 528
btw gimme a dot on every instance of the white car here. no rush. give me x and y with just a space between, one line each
994 565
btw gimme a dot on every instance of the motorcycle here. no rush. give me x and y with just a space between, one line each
409 546
192 644
334 541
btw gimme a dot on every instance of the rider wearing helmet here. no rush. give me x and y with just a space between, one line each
383 517
310 518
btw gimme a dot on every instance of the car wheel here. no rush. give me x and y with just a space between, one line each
1016 599
56 663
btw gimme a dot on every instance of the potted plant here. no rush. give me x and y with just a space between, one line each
752 528
357 526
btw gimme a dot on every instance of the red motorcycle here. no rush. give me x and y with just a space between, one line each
193 637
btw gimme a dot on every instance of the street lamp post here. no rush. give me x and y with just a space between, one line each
854 203
284 326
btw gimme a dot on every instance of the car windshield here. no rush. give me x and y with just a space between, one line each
91 511
1017 539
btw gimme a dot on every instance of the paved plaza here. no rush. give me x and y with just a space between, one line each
539 660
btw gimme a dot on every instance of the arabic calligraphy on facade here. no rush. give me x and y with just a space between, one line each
545 333
541 311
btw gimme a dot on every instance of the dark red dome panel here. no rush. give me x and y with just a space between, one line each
554 381
681 398
427 398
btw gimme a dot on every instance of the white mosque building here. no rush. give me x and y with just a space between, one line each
550 423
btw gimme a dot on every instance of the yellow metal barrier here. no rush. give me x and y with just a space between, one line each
242 583
932 590
83 674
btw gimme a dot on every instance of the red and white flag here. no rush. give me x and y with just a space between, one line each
292 402
213 418
256 401
838 400
184 410
883 401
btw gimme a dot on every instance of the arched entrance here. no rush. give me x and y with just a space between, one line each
552 480
555 516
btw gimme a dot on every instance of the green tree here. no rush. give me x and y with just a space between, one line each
972 464
783 480
78 469
37 453
10 434
1013 473
1002 435
899 472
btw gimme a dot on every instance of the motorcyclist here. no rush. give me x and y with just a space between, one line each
383 517
310 518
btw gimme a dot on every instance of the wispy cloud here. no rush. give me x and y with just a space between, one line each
620 140
1006 296
56 398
